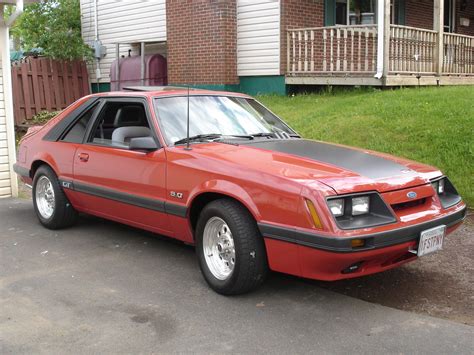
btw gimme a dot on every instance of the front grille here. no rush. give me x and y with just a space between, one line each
408 204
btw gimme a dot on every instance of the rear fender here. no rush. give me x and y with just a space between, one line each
46 158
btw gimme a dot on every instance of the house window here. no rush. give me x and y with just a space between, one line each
361 12
341 12
394 10
356 12
449 15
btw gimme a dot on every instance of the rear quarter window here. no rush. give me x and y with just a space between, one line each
77 132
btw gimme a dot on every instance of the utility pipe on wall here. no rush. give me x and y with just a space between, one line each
98 73
117 67
142 63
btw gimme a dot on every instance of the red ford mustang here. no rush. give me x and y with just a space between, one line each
220 171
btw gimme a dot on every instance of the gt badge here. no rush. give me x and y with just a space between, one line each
66 184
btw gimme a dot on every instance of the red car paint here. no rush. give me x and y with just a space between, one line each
273 186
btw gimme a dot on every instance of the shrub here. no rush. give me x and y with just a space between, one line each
43 117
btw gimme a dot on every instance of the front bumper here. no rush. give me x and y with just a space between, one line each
372 241
329 258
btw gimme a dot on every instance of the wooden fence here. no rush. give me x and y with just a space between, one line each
42 84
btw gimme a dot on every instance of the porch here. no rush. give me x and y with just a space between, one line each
382 54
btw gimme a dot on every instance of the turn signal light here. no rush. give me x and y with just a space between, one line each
357 243
314 214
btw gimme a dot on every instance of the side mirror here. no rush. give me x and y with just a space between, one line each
143 143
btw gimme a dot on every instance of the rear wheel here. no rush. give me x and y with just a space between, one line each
52 207
230 249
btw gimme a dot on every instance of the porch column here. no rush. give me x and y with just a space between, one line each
383 38
438 24
5 72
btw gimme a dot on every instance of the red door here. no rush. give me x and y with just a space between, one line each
123 185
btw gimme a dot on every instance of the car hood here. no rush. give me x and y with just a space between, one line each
342 168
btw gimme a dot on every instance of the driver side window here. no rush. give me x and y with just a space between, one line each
119 122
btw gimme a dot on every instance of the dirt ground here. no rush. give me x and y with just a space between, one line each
440 285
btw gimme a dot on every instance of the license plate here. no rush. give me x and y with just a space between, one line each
431 240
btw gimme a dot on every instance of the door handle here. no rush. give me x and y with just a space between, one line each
83 157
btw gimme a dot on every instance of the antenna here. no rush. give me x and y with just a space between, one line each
189 70
187 125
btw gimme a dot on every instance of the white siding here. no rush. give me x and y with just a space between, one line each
258 37
5 184
123 22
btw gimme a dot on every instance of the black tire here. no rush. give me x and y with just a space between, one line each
64 215
251 267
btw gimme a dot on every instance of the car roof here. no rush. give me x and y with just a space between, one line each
157 91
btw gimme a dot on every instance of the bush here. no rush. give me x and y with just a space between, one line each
42 117
55 27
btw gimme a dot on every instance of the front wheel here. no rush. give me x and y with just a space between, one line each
52 207
230 249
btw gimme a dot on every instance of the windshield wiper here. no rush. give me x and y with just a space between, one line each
215 136
199 137
278 135
262 134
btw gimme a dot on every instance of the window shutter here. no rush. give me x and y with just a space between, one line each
401 12
329 12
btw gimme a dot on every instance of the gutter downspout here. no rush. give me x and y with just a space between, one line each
380 38
7 92
96 21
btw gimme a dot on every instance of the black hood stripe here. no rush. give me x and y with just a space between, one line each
362 163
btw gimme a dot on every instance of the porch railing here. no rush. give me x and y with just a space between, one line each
332 50
412 50
352 50
458 54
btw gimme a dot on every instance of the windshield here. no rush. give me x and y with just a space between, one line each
228 116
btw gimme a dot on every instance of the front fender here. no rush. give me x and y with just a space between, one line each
227 188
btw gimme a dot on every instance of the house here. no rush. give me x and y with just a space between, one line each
8 179
269 45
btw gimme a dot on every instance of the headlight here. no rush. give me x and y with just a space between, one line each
446 192
438 186
337 207
441 187
360 210
360 205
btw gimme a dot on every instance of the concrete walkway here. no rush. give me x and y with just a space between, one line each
101 287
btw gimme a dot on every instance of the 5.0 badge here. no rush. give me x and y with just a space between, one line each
176 194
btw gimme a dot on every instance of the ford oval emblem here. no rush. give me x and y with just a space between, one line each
412 194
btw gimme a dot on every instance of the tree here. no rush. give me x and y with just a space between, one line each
55 27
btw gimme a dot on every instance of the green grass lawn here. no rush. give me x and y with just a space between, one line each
430 125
